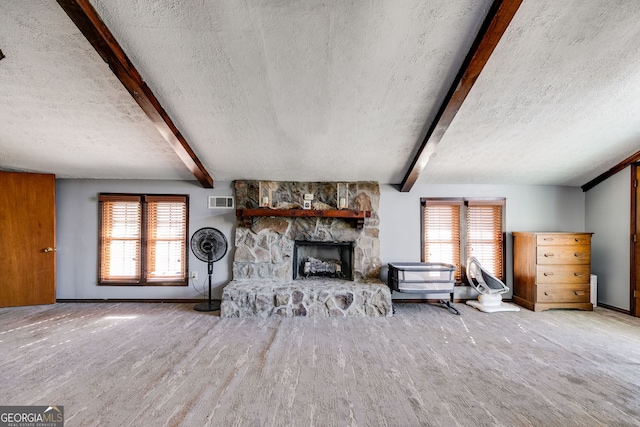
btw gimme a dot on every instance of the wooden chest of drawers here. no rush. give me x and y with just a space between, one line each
552 270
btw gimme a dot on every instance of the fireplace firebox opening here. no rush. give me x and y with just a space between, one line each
323 259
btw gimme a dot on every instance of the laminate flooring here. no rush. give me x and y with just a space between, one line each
147 364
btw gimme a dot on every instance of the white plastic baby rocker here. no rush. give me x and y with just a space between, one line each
489 287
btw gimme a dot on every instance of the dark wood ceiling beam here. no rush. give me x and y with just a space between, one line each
89 23
614 170
498 18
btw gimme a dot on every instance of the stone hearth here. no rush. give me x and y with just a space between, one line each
263 268
313 297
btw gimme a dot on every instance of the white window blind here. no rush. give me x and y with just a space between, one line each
455 229
143 239
484 235
166 228
441 229
121 236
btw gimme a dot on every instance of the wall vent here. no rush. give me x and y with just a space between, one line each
221 202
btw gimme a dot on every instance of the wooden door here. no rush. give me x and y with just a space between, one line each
635 242
27 239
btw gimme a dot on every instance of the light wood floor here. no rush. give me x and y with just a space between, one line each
141 364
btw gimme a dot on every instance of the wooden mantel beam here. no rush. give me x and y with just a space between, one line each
498 18
89 23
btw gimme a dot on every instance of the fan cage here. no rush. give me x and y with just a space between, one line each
207 240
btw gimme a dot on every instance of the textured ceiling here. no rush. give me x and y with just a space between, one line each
557 103
63 111
323 90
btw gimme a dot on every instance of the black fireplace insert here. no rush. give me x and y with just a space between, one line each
323 259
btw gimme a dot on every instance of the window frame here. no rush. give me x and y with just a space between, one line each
142 277
464 203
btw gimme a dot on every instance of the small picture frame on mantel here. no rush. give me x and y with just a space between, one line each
342 195
264 194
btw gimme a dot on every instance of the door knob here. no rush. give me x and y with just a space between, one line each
48 249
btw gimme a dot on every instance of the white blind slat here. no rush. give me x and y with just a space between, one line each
484 236
166 248
121 241
441 226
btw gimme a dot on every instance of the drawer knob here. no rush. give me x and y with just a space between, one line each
578 292
548 293
577 255
578 274
548 255
548 239
548 274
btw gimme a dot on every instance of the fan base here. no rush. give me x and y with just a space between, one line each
207 306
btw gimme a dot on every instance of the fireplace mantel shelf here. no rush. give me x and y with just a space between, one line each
356 216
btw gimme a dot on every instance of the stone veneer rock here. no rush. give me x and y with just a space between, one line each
262 267
317 298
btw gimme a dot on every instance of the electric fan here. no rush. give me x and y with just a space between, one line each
208 244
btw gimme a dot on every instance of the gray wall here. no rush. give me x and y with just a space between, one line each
77 238
608 211
528 208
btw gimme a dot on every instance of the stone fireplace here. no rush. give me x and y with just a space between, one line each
264 250
268 274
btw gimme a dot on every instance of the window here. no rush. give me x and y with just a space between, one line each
455 229
143 239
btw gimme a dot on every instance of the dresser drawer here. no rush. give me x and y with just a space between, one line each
562 293
563 239
578 273
573 254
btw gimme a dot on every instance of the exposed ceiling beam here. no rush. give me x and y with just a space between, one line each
614 170
89 23
498 18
